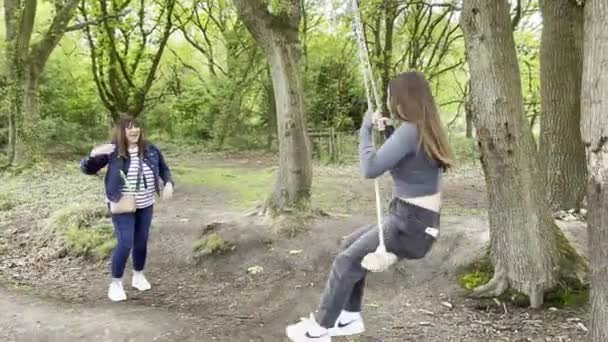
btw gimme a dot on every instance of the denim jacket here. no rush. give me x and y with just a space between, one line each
113 179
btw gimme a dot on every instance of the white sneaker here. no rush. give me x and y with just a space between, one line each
140 282
349 323
307 330
116 293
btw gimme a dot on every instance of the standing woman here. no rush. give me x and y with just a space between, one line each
135 168
416 154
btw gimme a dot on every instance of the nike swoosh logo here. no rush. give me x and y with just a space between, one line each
342 325
310 336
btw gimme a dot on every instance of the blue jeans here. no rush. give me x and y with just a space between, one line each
132 232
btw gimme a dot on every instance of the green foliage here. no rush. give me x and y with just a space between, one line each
334 94
465 149
474 279
528 56
83 230
212 245
567 294
214 90
478 273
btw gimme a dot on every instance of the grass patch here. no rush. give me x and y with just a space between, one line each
246 187
567 295
212 245
97 241
8 202
83 230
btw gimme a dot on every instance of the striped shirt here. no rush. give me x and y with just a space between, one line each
144 197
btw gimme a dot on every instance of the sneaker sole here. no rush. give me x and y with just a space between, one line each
140 288
122 299
290 334
354 328
144 289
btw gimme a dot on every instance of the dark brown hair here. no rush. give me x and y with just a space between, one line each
411 99
120 136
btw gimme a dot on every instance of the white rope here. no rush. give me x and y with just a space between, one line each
381 259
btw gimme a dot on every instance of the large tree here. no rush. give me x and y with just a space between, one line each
276 29
26 60
562 154
528 251
594 129
126 49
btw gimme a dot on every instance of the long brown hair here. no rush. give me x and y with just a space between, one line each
120 136
411 99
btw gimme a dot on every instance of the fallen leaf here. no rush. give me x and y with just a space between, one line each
255 269
447 305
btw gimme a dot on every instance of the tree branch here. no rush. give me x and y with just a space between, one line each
41 51
114 55
94 22
140 96
104 94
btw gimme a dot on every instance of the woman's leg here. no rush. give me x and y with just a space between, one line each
124 225
404 234
143 221
346 275
353 304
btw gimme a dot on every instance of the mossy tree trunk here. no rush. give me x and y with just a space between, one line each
528 251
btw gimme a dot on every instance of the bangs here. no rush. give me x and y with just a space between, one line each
129 123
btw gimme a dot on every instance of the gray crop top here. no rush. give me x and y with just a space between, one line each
414 173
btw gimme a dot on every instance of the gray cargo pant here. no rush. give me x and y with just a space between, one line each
404 236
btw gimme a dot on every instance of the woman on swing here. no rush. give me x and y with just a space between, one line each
416 154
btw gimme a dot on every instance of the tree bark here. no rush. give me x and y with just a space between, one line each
468 118
278 35
562 155
390 15
272 112
529 253
594 130
25 64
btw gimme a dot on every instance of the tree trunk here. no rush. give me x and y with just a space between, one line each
295 172
387 55
468 112
594 130
529 253
562 155
25 63
272 113
278 35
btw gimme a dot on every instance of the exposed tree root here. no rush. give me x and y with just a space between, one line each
495 287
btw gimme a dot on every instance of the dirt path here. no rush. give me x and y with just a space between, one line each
216 299
26 318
